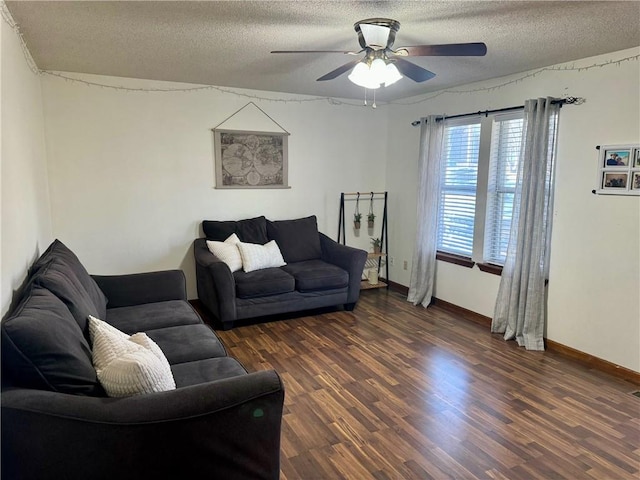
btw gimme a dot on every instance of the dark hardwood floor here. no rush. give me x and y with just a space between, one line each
393 391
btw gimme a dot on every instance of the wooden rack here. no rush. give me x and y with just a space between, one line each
384 236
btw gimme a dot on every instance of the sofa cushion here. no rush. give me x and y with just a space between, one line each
251 230
61 280
61 253
259 257
44 348
209 370
149 316
128 365
227 251
187 343
314 275
298 239
260 283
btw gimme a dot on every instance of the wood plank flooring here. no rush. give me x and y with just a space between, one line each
393 391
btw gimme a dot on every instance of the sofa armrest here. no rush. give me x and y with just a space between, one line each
216 284
348 258
229 428
140 288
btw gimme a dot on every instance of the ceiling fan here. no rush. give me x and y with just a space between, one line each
381 64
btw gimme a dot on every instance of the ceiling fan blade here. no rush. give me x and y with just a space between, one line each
338 71
315 51
413 71
477 49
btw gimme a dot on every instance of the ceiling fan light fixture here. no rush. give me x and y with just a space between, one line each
378 70
375 75
375 35
361 76
392 75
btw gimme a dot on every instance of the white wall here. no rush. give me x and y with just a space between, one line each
132 173
26 217
594 284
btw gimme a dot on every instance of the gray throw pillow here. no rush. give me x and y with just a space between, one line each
65 259
62 281
43 347
251 230
298 239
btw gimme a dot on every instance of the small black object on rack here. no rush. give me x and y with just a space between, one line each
384 236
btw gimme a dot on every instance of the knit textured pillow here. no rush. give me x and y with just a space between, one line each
257 257
227 251
128 365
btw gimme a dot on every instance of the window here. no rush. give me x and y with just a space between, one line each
506 137
480 163
457 208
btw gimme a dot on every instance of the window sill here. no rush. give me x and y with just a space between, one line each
455 259
490 268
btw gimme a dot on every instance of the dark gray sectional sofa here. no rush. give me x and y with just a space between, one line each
57 423
319 272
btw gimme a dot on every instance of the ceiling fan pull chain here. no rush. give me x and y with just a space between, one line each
365 97
374 100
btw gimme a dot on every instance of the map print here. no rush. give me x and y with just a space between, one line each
252 159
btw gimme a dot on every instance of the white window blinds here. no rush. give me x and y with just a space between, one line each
458 187
506 139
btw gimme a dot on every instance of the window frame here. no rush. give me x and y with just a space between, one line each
456 257
482 185
488 264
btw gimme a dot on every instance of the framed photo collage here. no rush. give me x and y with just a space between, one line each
619 169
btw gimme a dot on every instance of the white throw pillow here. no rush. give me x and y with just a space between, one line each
257 257
227 251
128 365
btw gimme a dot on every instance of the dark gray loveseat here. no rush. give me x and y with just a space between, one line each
319 272
57 423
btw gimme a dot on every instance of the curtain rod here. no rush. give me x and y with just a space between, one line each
563 101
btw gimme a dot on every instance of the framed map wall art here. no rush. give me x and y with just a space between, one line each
618 169
248 159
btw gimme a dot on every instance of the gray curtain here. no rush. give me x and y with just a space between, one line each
521 304
423 267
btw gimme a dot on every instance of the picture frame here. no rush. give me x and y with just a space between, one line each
615 180
618 169
616 158
250 159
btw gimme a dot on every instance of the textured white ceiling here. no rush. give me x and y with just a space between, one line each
227 43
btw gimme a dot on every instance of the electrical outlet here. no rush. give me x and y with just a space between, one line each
404 265
391 261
